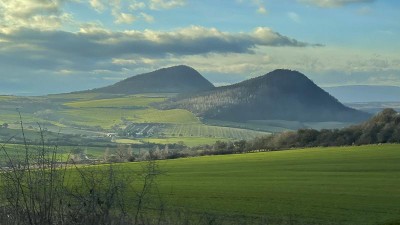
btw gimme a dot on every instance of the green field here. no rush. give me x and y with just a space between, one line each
188 141
122 102
15 151
201 130
337 185
106 113
342 185
96 114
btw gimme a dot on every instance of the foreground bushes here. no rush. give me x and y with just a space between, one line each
43 187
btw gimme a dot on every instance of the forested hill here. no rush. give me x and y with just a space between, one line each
280 94
176 79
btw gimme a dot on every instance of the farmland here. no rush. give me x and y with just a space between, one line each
342 185
17 151
200 130
96 114
188 141
337 185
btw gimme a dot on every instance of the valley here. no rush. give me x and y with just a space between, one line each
119 114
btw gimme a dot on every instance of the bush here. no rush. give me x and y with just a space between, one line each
43 187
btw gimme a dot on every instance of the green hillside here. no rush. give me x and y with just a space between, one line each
342 185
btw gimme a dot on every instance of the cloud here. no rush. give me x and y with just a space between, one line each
122 11
262 10
165 4
98 5
38 14
124 18
148 18
135 5
94 42
260 4
333 3
294 17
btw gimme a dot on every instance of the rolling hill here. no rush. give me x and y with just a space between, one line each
278 95
176 79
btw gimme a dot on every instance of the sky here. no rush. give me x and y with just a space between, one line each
55 46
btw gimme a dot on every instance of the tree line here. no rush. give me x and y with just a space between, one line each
382 128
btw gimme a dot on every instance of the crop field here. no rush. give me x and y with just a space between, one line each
78 96
188 141
127 141
107 117
201 130
16 151
106 113
337 185
13 119
342 185
123 102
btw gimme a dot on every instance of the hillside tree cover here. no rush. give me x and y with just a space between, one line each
278 95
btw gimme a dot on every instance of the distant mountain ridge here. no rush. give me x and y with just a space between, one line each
176 79
280 94
365 93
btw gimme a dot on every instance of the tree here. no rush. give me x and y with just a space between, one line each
123 153
77 154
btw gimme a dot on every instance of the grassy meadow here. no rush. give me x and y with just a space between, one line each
340 185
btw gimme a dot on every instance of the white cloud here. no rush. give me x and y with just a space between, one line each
165 4
38 14
98 5
333 3
148 18
124 18
135 5
262 10
260 4
121 10
294 17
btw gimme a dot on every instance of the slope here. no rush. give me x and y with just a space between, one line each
278 95
176 79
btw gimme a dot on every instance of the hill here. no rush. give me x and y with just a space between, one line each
365 93
278 95
176 79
